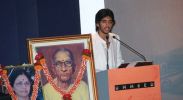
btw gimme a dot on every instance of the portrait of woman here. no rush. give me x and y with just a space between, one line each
21 83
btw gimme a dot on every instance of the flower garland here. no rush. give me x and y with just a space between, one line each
7 84
73 88
67 94
41 65
37 76
3 74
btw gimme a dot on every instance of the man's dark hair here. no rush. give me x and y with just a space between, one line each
103 13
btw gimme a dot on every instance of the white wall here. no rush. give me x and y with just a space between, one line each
88 9
154 28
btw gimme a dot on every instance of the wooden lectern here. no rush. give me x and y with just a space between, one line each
134 83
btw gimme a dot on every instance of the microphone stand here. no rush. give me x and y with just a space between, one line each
107 43
131 49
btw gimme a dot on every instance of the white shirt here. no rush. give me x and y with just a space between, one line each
100 52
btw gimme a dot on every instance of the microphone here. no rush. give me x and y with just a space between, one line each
107 42
131 49
107 58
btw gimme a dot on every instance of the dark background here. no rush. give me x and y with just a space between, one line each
22 19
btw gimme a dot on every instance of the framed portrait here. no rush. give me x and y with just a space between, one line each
64 62
21 81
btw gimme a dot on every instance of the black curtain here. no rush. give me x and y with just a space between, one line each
22 19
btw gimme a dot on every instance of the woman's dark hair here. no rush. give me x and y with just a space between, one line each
19 71
103 13
70 55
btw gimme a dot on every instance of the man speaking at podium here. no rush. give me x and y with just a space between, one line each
106 49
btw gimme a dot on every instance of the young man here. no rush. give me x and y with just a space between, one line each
106 49
64 68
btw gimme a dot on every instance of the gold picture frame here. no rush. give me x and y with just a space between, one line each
76 44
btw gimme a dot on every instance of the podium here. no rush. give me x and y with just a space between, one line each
134 83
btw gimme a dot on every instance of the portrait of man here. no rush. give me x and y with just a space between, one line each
63 63
65 74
